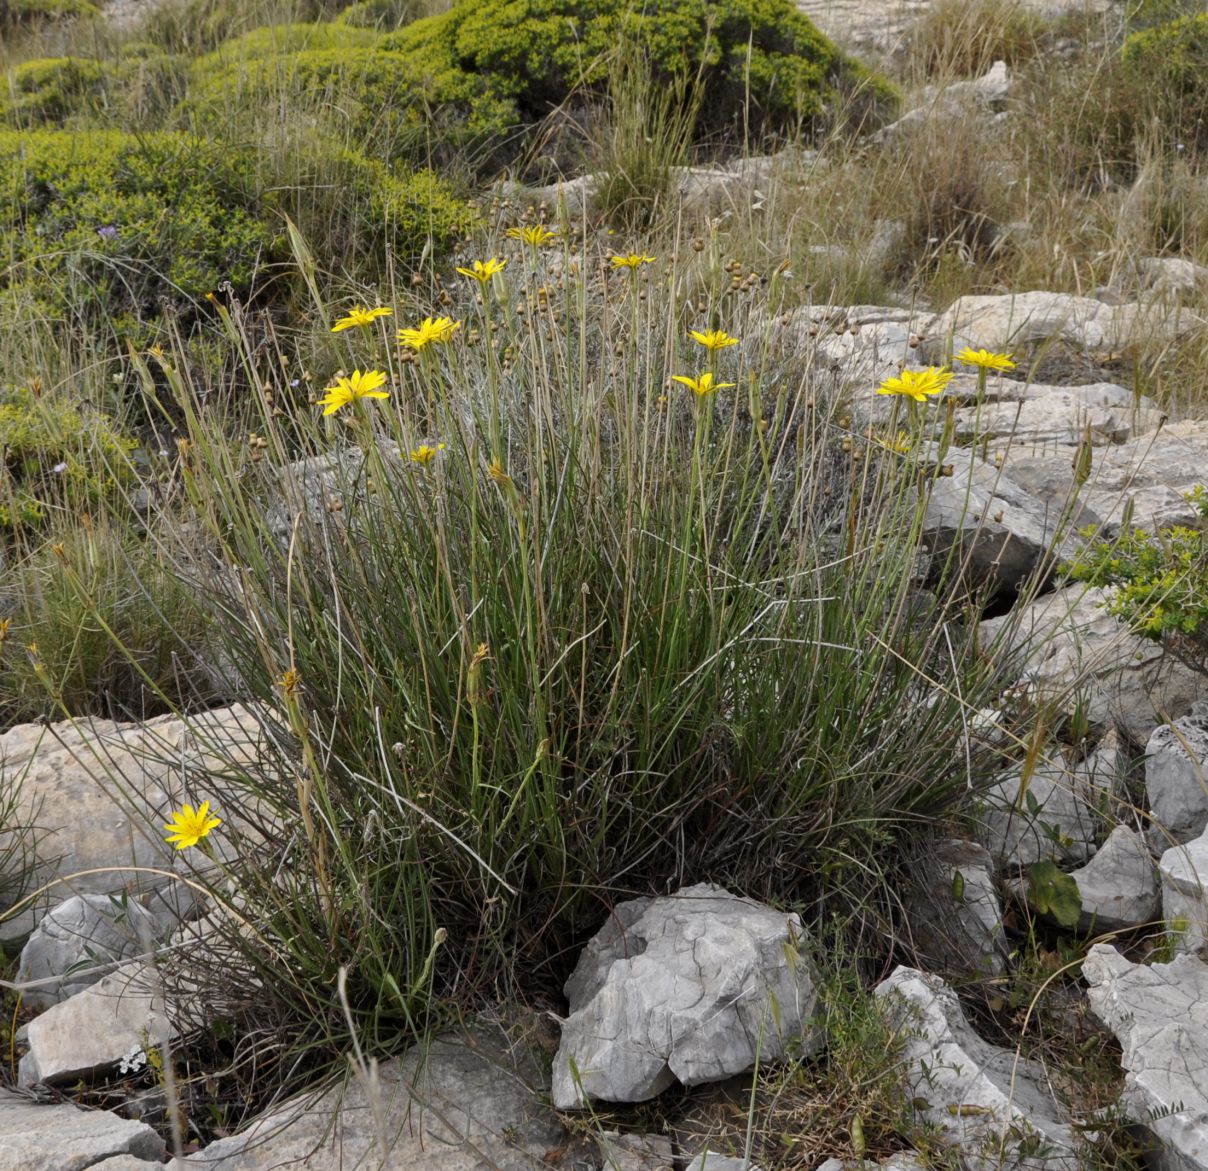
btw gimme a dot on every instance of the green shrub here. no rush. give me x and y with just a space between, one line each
55 457
115 227
390 106
383 15
281 40
1168 65
58 89
1159 580
32 12
199 26
539 52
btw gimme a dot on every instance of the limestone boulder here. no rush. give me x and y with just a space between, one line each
35 1136
115 1018
1159 1014
986 1102
1074 653
1176 775
1183 871
98 794
465 1102
1119 885
689 988
1040 819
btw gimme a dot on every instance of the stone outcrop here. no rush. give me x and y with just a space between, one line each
690 988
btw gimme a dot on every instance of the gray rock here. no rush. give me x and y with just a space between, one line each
683 988
1053 416
712 1161
1060 829
987 92
1159 1014
99 793
1100 779
1184 876
1176 775
81 940
954 912
1000 532
1171 277
1119 885
634 1152
986 1102
465 1103
96 1028
1017 321
38 1137
1077 655
1144 480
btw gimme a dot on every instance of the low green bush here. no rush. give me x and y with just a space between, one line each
1168 66
761 63
1158 581
383 15
56 458
116 227
14 13
56 90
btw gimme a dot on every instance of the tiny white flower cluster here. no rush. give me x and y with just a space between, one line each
134 1060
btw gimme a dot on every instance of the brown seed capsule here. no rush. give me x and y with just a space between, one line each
417 279
698 245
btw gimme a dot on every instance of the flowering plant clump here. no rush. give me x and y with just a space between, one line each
425 453
985 360
713 339
360 317
633 260
533 234
358 386
917 384
703 386
189 826
483 271
431 329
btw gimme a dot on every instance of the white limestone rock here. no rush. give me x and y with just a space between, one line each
462 1103
1048 823
96 1028
1119 885
993 1109
1176 775
1159 1014
39 1137
1079 655
682 988
1183 870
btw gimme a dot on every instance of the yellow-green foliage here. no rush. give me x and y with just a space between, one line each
394 107
55 457
383 15
31 12
113 226
279 40
540 51
56 90
1168 65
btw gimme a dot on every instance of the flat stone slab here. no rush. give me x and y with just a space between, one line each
61 1137
1159 1014
470 1102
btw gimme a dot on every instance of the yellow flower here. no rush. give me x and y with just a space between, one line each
633 260
483 272
431 329
901 442
424 454
703 386
290 681
917 384
713 339
360 316
498 473
533 234
187 827
985 359
348 390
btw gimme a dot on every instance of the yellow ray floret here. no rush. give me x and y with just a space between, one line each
703 386
917 384
985 360
714 339
431 329
360 316
347 390
483 271
189 826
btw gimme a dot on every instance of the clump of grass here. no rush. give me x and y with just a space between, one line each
963 38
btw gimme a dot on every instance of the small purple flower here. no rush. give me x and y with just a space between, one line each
108 232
